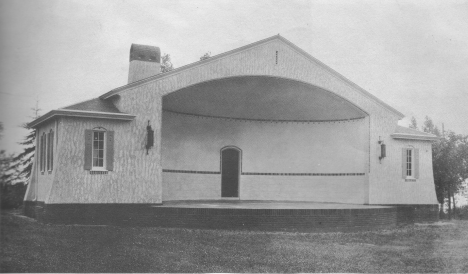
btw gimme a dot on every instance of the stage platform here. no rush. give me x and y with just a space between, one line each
236 215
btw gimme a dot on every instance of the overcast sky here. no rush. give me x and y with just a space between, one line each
411 54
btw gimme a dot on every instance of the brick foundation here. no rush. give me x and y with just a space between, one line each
304 220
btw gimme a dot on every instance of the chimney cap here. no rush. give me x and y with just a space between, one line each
145 53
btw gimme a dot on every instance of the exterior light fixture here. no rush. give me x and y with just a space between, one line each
149 137
383 150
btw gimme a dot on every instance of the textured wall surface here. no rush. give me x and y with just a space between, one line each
339 189
133 180
391 188
260 60
193 143
140 70
41 182
137 177
182 186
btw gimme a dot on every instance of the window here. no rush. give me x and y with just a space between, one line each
50 150
99 150
42 153
410 164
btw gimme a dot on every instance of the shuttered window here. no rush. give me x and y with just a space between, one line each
99 150
43 152
410 163
50 150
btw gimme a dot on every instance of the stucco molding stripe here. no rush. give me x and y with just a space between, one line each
262 120
190 171
303 174
264 173
82 114
413 137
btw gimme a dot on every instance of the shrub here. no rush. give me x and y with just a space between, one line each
12 195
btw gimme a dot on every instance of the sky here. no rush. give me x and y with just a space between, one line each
413 55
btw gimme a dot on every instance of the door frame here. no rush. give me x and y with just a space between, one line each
239 172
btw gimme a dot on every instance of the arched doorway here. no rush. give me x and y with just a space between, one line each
230 172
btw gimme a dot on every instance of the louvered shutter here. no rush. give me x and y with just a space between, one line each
88 153
48 151
403 163
110 150
51 150
41 152
416 163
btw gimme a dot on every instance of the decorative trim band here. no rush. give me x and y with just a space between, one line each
304 174
98 172
81 114
264 173
263 120
190 171
408 136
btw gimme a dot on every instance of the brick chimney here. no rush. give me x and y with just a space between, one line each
145 61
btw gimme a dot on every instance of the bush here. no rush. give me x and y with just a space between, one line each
12 195
462 213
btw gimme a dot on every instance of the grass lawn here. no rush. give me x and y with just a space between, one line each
28 246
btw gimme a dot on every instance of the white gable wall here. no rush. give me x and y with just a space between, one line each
145 102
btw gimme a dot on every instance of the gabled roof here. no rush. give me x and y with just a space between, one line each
95 104
412 134
276 37
94 108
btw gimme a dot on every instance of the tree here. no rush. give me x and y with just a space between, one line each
429 127
166 64
11 192
23 162
205 56
450 163
414 123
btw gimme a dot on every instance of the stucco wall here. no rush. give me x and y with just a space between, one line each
41 182
193 143
133 180
391 188
260 60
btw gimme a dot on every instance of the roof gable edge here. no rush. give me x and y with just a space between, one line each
263 41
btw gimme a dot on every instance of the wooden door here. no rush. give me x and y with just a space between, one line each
230 171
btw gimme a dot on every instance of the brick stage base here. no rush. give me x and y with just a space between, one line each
235 215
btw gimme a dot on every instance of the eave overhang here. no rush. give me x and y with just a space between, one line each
216 57
414 137
80 114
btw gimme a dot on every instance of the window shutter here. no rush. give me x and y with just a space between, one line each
48 151
51 150
403 163
41 152
416 163
110 150
88 154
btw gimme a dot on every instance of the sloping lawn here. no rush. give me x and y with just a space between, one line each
28 246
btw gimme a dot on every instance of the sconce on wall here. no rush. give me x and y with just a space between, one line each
149 137
383 150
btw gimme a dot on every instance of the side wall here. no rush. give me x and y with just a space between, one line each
133 180
392 188
270 153
41 182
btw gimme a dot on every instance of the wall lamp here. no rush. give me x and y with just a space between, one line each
149 137
383 150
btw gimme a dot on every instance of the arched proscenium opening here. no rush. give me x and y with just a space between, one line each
298 141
